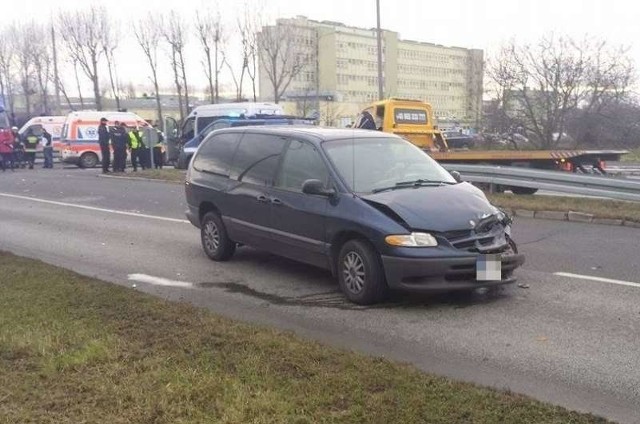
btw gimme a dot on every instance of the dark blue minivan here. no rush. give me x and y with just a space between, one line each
369 206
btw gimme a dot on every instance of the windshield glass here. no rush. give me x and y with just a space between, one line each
370 164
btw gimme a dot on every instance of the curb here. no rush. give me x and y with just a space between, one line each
573 216
122 177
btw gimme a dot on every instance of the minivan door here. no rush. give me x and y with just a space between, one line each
299 219
249 194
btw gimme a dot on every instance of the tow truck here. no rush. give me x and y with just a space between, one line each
413 120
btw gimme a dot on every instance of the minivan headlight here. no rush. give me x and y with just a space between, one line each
412 240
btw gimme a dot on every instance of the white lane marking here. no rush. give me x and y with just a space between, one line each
599 279
93 208
158 281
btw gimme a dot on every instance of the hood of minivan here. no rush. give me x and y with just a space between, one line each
441 208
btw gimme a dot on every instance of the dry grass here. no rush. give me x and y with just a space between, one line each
74 349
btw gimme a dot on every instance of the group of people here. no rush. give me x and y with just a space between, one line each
20 152
120 138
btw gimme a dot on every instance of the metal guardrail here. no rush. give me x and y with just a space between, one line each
564 182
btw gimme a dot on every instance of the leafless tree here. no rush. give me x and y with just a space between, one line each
110 44
42 63
248 28
148 35
211 34
279 53
543 85
23 42
175 35
7 69
84 32
78 85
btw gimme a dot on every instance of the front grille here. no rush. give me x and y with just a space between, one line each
487 237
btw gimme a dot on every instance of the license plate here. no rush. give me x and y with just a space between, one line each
488 268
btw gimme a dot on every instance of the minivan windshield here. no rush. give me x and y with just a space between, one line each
373 164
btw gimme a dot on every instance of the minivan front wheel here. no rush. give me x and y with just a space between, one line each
215 241
360 273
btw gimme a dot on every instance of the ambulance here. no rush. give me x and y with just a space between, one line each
80 135
53 125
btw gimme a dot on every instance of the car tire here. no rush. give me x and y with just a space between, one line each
215 241
360 273
88 160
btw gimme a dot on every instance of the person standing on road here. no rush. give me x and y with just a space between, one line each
137 149
103 140
30 147
18 148
6 154
48 149
120 140
158 154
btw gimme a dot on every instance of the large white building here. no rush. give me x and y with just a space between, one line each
341 67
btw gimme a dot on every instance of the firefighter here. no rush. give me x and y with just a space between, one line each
103 139
137 149
31 142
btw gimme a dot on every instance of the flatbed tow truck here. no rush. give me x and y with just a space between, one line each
413 120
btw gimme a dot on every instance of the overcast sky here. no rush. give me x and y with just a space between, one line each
483 24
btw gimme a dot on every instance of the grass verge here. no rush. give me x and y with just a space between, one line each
74 349
632 156
599 208
165 174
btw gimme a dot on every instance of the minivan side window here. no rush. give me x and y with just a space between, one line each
216 154
301 162
257 158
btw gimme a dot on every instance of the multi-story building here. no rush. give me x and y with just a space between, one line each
340 66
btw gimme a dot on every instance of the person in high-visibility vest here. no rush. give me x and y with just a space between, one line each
31 142
137 148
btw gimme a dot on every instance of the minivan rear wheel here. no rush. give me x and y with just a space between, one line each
360 273
215 241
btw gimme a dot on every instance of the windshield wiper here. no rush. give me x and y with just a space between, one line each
414 183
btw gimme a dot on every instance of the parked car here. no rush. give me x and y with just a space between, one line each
457 140
189 148
371 207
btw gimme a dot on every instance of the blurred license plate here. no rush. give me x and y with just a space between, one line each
488 268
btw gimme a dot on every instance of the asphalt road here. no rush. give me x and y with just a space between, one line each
571 341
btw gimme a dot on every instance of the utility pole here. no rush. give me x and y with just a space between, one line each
380 81
56 77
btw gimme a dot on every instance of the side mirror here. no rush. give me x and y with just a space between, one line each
316 187
456 176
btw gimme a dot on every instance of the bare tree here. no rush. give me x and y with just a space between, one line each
211 35
175 34
542 86
280 57
78 86
84 32
148 36
23 42
7 56
110 44
248 28
42 62
238 79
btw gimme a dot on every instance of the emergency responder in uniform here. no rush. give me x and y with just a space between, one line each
18 148
158 154
119 140
137 149
30 147
103 139
48 149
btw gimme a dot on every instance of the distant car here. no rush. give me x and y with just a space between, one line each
457 140
371 207
189 148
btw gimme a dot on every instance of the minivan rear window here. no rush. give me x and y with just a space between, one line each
216 153
257 158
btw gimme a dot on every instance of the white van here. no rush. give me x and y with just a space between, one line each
53 125
203 115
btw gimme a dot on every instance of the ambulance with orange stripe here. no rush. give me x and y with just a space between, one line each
80 135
